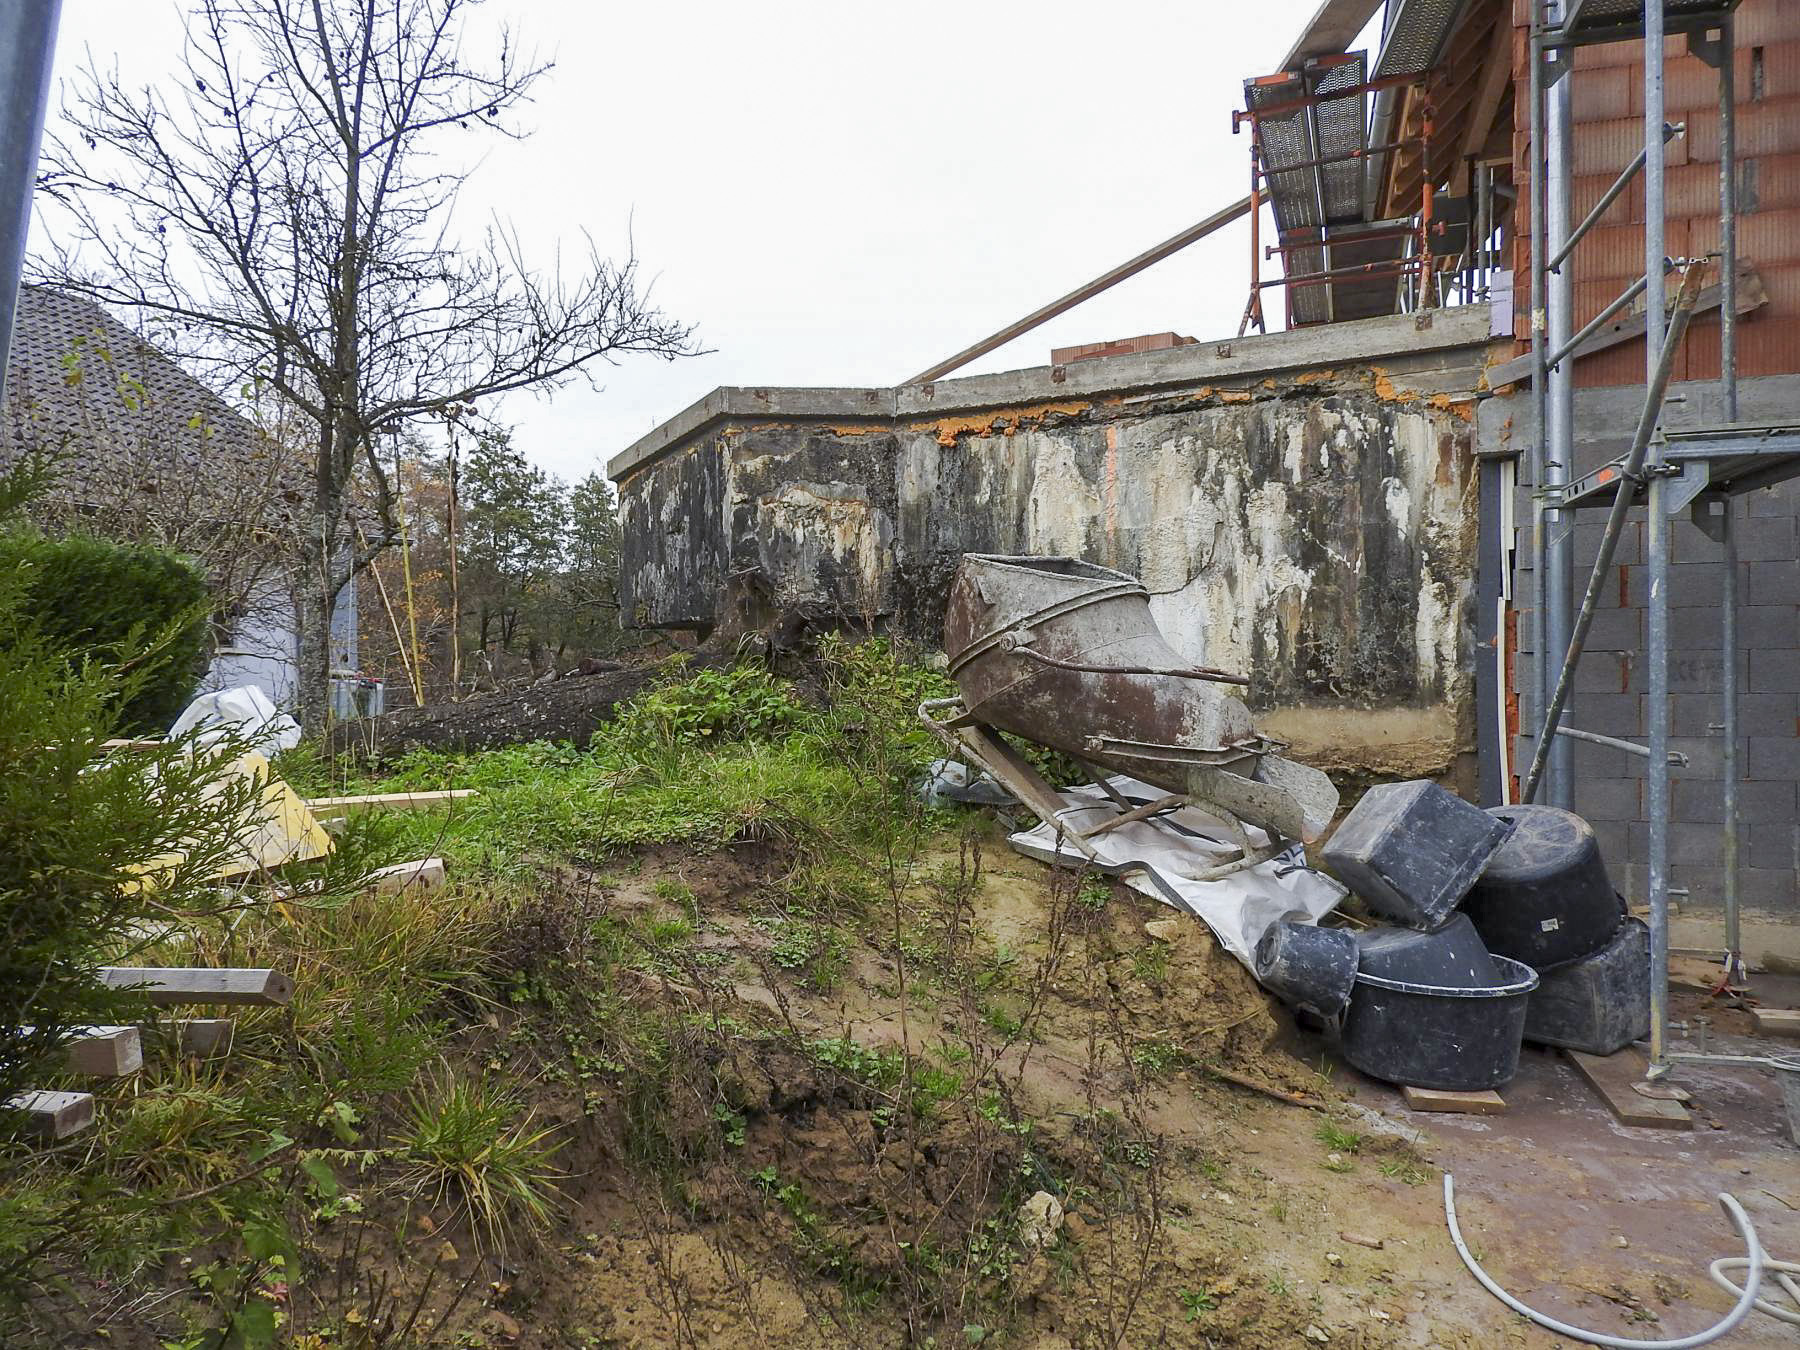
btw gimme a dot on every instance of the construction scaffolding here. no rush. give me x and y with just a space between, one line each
1666 472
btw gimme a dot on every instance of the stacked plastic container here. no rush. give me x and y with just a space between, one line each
1504 928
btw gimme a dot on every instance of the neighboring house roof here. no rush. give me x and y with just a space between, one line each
121 416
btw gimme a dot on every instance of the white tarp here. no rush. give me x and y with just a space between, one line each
247 713
1180 846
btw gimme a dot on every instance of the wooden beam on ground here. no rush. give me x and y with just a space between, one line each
1613 1077
106 1052
204 1037
329 808
1488 1103
426 874
53 1115
1777 1021
167 986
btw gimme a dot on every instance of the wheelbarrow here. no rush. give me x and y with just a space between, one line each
1067 654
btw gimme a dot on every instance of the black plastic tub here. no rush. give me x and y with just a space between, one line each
1412 850
1452 957
1430 1036
1545 898
1599 1004
1308 966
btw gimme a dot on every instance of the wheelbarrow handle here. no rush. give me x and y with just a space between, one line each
1190 673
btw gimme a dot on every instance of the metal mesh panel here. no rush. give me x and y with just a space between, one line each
1286 139
1343 130
1416 36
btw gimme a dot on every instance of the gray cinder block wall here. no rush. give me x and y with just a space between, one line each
1612 682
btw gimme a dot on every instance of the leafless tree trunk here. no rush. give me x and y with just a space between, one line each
281 210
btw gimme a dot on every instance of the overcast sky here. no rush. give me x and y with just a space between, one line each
843 194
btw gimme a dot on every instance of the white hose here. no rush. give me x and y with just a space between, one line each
1753 1260
1780 1269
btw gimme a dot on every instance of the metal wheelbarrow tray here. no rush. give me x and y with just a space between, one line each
1067 654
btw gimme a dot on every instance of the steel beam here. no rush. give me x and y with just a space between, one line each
27 46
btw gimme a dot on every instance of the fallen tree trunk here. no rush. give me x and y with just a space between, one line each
569 709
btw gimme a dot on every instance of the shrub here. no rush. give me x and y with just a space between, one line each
95 596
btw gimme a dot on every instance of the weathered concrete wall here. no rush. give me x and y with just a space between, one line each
1300 507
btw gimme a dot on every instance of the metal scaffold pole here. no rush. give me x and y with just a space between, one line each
27 43
1540 369
1559 439
1657 541
1728 636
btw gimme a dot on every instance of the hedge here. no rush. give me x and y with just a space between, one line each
85 594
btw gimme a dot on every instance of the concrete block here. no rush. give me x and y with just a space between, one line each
1774 844
1696 844
1768 888
1693 714
1616 630
1603 762
1774 627
1774 583
1767 538
1760 801
1774 756
1774 670
1688 543
1767 712
1608 714
1614 837
1770 503
1603 673
1608 800
1588 533
1696 627
1705 887
1705 756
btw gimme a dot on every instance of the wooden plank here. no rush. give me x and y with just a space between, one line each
426 874
204 1037
170 985
106 1052
53 1115
327 808
1626 327
1613 1076
1459 1103
1777 1021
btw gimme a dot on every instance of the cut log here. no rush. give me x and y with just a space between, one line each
53 1115
1614 1077
427 874
329 808
1459 1103
204 1037
1777 1021
172 985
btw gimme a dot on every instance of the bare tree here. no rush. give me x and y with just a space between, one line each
284 214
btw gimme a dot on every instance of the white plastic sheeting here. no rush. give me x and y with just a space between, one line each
245 712
1162 857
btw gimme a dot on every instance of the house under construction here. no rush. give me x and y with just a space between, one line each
1521 454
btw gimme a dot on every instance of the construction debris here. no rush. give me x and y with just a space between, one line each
172 986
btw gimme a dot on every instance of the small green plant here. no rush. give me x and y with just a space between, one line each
467 1140
731 1124
1196 1301
1278 1285
1094 891
1151 963
1338 1139
1404 1168
742 703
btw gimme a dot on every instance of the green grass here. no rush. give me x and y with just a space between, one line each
470 1141
1338 1139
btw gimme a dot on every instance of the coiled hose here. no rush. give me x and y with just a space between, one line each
1753 1261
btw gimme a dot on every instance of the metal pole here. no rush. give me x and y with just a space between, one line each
1659 346
1540 376
1608 197
1559 456
1728 635
1595 324
27 45
1631 474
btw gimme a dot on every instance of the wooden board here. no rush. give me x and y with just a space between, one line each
1777 1021
1612 1076
170 985
1462 1103
204 1037
427 874
53 1115
274 827
327 808
106 1052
